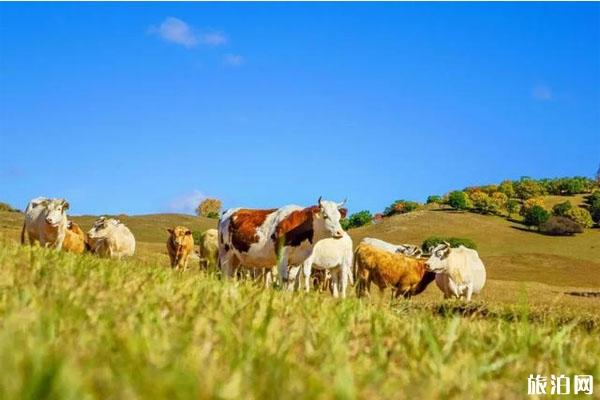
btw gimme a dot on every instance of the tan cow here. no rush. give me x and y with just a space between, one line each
179 245
110 238
75 239
45 222
209 249
407 275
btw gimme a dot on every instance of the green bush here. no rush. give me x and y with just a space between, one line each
561 209
434 199
400 207
355 220
535 216
512 206
593 203
433 241
459 200
560 226
581 216
527 188
482 202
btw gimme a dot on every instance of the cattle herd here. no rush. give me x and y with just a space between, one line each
302 246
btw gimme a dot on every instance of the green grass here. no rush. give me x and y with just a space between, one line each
77 327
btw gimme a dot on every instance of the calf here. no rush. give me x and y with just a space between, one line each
45 222
179 245
406 274
209 249
75 240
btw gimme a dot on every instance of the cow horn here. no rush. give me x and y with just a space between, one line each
447 244
320 201
340 205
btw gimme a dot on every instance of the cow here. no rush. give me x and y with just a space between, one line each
209 249
263 238
459 271
335 256
75 240
406 274
179 246
406 249
110 238
45 222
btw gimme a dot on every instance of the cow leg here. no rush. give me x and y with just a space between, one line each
335 280
344 274
282 263
293 277
307 271
469 292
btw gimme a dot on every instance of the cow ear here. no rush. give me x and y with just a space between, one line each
65 205
343 212
170 230
188 232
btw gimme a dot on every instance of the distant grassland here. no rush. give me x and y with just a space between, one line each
77 327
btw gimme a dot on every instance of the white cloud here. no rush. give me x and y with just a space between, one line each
542 92
214 38
233 60
176 31
186 203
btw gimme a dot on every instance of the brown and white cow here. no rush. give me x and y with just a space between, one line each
284 236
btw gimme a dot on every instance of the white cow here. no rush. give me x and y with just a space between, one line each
334 256
46 222
406 249
111 238
459 271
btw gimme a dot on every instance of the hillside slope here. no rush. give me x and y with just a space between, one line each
509 251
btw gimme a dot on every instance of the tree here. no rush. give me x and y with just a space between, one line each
527 204
499 201
512 206
507 188
355 220
535 216
581 216
400 207
210 208
434 199
561 209
459 200
482 203
527 188
433 241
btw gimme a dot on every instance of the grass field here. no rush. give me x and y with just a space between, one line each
80 327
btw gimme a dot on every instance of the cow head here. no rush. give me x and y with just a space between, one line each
438 261
101 227
178 235
55 211
327 219
409 250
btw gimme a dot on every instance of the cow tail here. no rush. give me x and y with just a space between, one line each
23 234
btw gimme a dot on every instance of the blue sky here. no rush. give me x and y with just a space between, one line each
140 108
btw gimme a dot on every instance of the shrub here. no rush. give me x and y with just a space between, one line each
434 199
499 201
561 209
581 216
433 241
355 220
459 200
535 216
400 207
210 208
560 226
593 203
